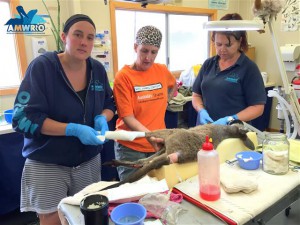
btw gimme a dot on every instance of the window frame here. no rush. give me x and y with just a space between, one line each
20 50
114 5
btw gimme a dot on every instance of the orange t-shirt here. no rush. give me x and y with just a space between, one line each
143 94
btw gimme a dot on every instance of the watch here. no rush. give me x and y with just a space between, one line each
230 119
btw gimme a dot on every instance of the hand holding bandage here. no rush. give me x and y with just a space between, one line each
101 124
85 134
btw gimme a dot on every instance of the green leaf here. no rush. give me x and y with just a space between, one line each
55 27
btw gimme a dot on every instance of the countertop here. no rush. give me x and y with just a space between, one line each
6 128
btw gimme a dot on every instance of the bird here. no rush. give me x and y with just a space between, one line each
18 21
30 16
266 9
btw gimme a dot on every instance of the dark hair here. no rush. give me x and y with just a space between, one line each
236 34
77 18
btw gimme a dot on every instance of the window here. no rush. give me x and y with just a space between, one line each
12 54
184 43
126 33
188 42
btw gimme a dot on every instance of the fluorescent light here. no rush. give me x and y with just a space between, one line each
233 25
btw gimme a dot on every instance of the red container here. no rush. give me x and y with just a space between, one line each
296 85
209 172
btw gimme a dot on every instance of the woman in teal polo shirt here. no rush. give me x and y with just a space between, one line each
229 85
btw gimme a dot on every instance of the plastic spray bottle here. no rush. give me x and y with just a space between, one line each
209 172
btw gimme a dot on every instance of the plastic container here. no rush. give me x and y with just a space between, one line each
209 172
248 160
265 77
8 115
276 153
95 209
98 40
296 85
129 214
160 206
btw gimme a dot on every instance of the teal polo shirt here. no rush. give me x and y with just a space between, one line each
227 92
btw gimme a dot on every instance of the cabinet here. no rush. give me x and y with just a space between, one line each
188 117
251 53
262 122
12 162
11 167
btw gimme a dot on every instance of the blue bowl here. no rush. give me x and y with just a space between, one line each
248 160
129 214
8 115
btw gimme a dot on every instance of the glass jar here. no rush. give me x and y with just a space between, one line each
276 153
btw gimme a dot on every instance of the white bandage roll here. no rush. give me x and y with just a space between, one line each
122 135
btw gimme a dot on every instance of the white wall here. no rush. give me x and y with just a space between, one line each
265 57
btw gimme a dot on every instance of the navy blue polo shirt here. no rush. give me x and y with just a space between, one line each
228 92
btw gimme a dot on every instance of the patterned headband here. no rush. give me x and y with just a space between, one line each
148 35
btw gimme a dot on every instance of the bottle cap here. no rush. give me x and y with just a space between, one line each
207 145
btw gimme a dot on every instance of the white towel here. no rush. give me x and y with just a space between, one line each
124 193
237 180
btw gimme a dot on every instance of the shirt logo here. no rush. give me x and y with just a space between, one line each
24 123
148 87
232 78
97 86
28 23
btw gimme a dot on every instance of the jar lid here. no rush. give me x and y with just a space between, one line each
274 135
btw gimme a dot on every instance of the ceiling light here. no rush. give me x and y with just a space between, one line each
233 25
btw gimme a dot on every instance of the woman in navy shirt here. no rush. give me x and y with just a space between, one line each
229 85
63 104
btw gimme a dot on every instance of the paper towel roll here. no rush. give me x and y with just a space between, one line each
265 77
290 52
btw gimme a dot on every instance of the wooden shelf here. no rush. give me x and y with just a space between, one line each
251 53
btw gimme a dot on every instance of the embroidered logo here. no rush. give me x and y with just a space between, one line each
233 78
97 86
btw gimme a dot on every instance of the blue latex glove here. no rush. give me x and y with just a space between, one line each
101 124
86 134
203 117
224 120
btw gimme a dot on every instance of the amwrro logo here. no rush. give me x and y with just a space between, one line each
28 22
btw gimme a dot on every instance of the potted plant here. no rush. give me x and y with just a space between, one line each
56 27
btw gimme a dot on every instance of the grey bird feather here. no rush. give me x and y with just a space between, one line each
265 9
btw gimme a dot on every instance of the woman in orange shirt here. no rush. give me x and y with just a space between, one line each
142 91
